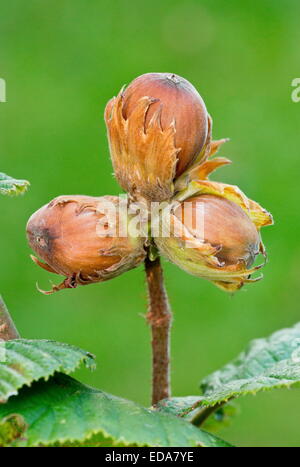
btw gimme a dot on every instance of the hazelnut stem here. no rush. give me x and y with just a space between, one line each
8 330
159 318
203 414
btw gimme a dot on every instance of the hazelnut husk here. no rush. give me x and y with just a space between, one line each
216 237
76 238
181 103
157 127
225 226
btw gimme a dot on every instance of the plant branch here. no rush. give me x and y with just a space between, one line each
8 330
200 417
159 318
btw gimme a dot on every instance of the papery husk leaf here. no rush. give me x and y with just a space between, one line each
204 170
198 257
130 261
257 214
144 159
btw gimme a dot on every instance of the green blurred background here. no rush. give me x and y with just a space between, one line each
62 60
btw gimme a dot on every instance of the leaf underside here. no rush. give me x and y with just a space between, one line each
270 363
266 364
63 411
181 407
12 186
24 361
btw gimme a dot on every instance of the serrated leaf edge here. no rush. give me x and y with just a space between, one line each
83 360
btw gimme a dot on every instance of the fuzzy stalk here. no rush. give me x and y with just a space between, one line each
159 318
203 414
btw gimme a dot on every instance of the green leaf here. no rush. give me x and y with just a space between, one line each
266 364
11 186
179 406
24 361
65 411
183 407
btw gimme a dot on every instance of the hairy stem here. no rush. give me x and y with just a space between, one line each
204 413
8 330
159 318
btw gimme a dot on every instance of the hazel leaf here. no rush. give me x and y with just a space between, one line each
181 407
266 364
270 363
62 411
12 186
23 361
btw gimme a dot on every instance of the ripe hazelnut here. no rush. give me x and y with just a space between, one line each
225 226
156 127
180 103
212 237
76 239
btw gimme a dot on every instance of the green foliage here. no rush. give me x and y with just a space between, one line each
270 363
12 186
65 411
181 407
266 364
24 361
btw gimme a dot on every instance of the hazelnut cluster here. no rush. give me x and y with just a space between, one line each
160 139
